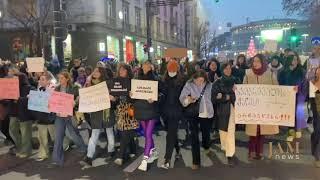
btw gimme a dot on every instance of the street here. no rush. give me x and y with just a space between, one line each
213 167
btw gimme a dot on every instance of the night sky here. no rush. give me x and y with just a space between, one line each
236 11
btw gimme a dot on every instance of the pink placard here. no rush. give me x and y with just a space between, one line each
9 88
60 102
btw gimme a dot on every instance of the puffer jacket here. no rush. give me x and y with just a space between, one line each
143 110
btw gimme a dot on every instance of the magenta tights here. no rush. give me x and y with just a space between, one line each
148 127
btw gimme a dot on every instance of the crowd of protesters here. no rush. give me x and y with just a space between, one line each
210 84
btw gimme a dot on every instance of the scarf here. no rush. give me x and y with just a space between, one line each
228 81
262 70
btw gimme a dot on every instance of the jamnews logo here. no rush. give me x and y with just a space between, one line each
291 152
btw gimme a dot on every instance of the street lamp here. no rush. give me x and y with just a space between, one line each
120 15
258 37
305 41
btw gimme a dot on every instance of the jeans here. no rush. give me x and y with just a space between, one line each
21 134
205 126
43 131
61 124
94 140
315 139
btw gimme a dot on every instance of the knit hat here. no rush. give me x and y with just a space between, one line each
172 66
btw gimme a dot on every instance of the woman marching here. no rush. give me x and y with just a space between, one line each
223 96
259 74
147 112
173 83
315 107
63 121
196 97
126 123
294 75
99 120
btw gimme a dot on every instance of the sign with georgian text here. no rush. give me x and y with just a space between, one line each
265 104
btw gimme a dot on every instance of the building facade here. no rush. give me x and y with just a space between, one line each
118 28
237 40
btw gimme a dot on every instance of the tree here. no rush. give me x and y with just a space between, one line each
251 49
201 39
31 16
307 8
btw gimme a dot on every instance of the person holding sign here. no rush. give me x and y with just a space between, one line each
99 120
126 123
294 75
224 97
147 112
196 98
20 118
259 74
315 107
63 121
45 120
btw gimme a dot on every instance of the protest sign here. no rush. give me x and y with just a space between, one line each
142 89
265 104
176 52
9 88
62 103
271 46
35 64
120 87
94 98
38 101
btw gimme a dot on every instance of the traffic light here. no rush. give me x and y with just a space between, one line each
145 48
295 40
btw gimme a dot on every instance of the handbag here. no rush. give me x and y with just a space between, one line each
192 111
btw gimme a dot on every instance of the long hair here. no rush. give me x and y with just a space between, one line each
66 75
127 68
103 74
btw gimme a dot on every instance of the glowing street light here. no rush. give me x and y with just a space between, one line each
120 15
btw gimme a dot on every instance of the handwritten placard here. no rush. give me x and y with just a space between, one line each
271 46
9 88
142 89
265 104
38 101
94 98
176 52
35 64
120 87
62 103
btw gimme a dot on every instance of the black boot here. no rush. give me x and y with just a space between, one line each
86 161
231 161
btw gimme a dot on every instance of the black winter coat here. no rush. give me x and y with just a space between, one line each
171 106
19 108
223 105
143 110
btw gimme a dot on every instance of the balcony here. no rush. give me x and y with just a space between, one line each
173 20
138 30
111 21
159 36
127 27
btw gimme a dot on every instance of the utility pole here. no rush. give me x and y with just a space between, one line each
59 30
149 41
